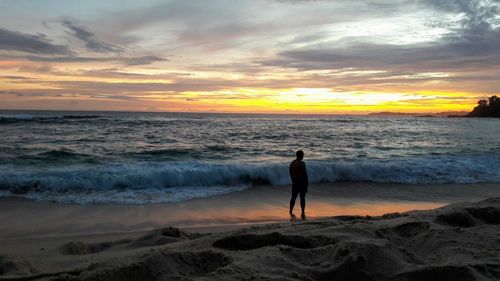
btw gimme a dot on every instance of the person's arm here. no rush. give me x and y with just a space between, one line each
290 170
305 173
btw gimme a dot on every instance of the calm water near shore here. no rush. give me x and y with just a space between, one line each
140 158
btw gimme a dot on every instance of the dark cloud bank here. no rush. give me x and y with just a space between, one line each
89 38
473 43
35 44
41 49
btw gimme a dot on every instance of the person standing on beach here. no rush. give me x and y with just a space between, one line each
300 182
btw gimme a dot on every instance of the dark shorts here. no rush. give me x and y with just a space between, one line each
295 193
299 188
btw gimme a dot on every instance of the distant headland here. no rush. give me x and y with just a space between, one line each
437 114
486 108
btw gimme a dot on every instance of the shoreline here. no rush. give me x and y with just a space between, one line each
253 206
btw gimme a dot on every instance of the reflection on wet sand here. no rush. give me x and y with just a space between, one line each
263 204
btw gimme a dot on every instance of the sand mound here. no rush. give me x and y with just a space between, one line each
489 215
155 237
439 273
79 248
352 218
15 267
163 236
255 241
468 217
459 219
405 230
410 229
160 265
171 231
351 260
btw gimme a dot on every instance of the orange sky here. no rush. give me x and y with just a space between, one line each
252 56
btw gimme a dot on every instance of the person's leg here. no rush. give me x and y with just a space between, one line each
303 202
292 200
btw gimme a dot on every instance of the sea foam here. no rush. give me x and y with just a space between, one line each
152 182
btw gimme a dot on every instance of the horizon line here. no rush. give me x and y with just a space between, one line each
373 113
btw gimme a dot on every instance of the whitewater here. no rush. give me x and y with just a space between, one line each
146 158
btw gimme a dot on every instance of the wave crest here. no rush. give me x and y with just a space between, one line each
170 182
8 119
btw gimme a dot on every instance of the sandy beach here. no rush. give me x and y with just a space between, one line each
249 234
260 204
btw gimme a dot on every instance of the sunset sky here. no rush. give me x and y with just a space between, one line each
249 56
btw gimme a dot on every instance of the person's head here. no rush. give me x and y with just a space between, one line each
299 154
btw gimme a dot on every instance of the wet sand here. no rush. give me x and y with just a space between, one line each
262 204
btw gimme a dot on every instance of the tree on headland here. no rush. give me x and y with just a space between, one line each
483 103
486 108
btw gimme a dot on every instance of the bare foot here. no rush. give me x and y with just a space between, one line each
303 216
292 217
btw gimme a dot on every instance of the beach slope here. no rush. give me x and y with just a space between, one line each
456 242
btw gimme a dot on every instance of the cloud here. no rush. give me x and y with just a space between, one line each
266 46
16 77
35 44
68 59
139 87
127 61
471 43
444 56
222 25
13 93
143 60
89 38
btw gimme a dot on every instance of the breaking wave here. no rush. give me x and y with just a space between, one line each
18 118
155 182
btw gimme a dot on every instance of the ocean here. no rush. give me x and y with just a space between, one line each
149 158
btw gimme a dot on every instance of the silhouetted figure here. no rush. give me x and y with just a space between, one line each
300 182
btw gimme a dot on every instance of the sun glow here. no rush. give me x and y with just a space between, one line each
323 95
334 57
318 101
